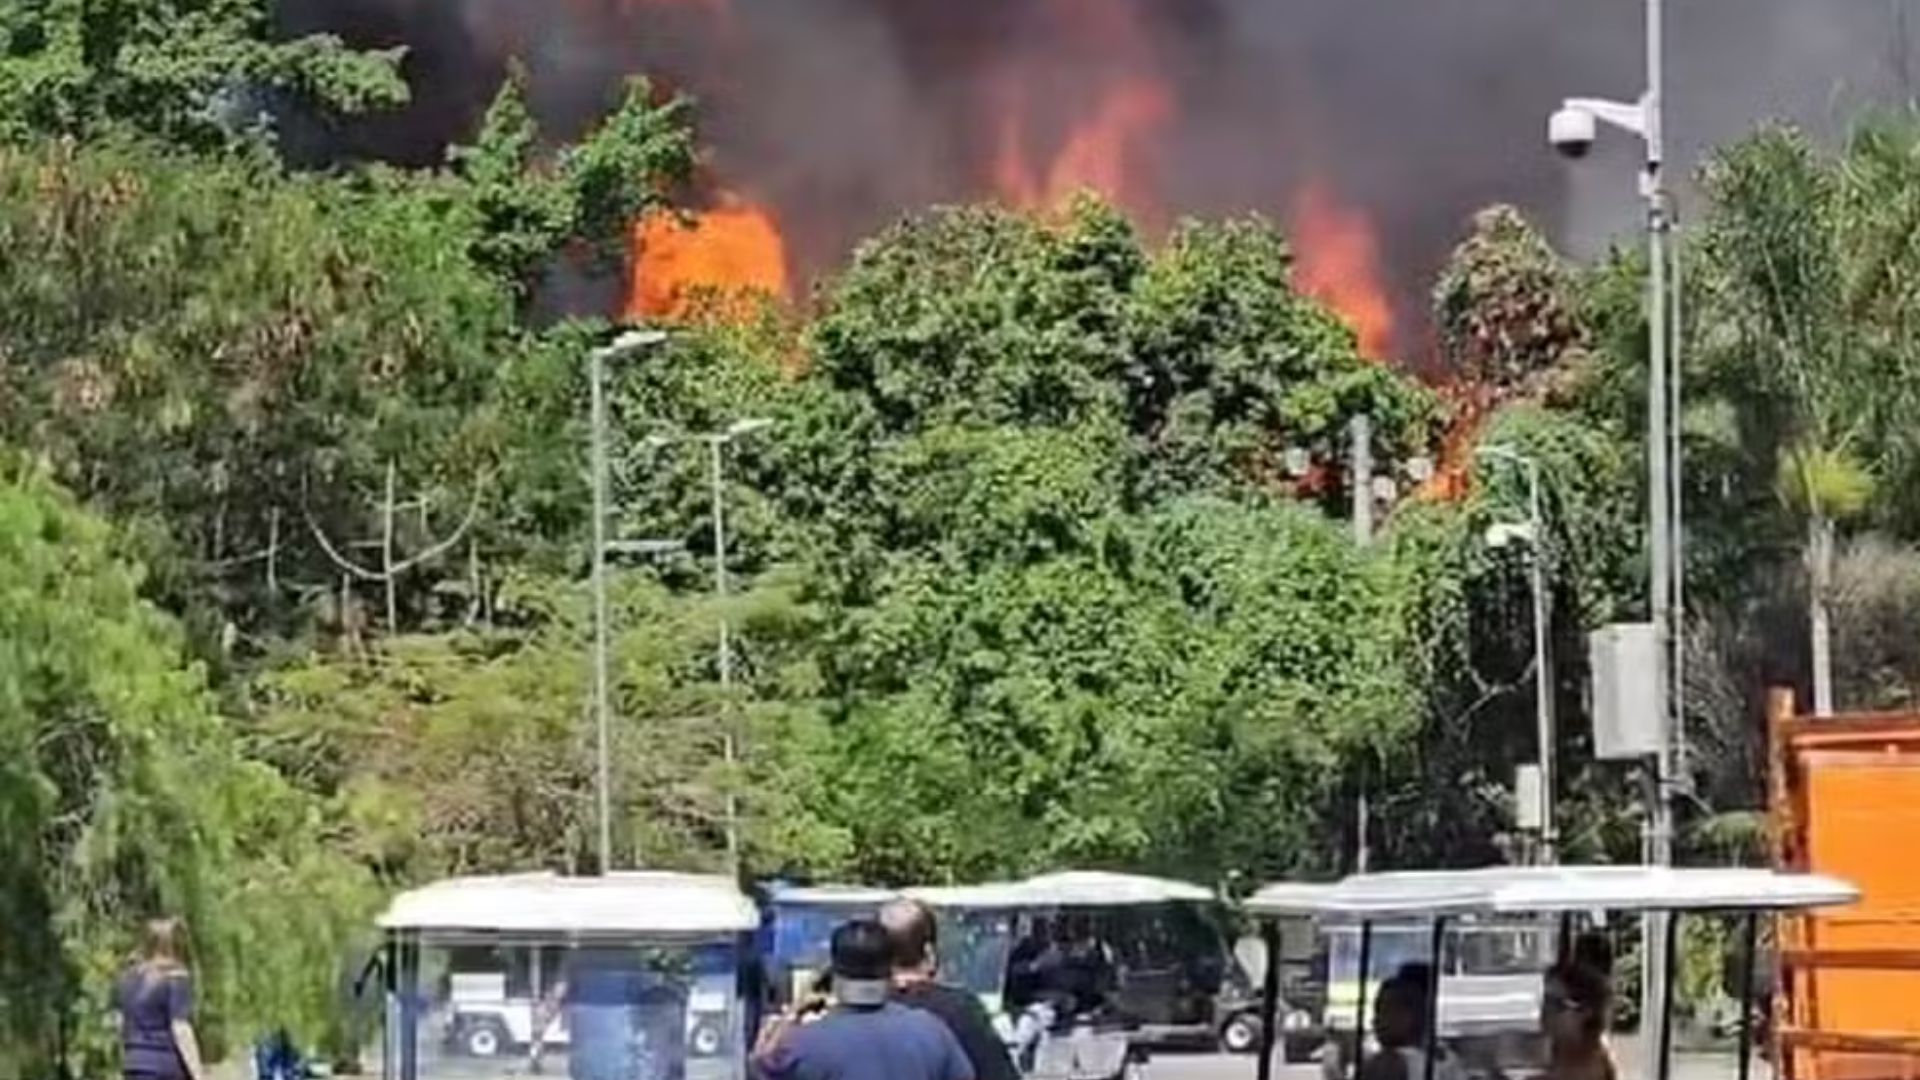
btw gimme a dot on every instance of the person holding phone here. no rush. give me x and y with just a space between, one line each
859 1034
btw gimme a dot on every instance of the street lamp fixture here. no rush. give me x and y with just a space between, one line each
747 427
1503 533
629 342
645 548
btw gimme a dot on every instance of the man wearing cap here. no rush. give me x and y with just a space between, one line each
914 935
864 1035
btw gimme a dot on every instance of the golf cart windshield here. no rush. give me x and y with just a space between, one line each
647 1012
974 946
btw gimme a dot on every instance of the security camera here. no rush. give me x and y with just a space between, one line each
1571 131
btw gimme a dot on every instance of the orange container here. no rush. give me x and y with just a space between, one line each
1845 800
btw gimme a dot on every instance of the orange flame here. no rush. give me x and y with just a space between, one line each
1470 404
1104 152
1338 264
732 253
1112 113
1101 154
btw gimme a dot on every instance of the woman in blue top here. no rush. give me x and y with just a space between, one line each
155 1001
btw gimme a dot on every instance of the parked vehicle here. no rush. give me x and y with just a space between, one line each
650 974
1159 986
1441 899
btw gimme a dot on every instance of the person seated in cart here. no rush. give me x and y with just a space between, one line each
622 1020
1574 1009
1401 1010
1063 965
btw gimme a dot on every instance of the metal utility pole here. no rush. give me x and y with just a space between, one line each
1360 479
717 443
1655 939
602 707
1572 128
720 587
1545 727
1545 722
627 344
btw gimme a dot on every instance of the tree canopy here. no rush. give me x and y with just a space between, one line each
1040 559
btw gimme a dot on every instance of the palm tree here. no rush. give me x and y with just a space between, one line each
1810 271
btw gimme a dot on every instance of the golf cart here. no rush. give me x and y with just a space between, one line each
797 924
1443 899
646 976
986 929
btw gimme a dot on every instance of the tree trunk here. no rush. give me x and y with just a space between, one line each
1819 623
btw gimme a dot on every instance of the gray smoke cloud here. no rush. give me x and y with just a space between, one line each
846 114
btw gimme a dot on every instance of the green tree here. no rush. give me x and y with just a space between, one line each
126 798
235 361
1807 258
1176 692
588 194
305 389
1202 352
472 752
197 73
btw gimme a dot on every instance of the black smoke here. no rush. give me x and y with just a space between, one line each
845 114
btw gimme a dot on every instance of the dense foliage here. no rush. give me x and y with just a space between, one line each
1039 560
125 794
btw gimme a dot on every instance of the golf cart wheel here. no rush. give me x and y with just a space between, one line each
1240 1034
483 1038
707 1039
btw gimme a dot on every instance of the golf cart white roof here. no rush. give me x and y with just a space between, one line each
1072 888
861 895
1514 890
636 903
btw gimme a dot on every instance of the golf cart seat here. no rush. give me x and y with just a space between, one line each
1082 1053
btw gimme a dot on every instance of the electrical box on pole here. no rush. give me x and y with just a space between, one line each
1628 720
1526 799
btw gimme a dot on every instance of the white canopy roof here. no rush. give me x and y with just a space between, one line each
622 903
1512 890
1072 888
861 895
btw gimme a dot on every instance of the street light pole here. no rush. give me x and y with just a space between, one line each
1655 988
626 344
1572 129
1546 726
728 749
717 443
1360 478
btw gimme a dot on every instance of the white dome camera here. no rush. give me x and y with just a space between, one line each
1571 131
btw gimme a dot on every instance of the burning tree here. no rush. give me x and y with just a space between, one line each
1504 305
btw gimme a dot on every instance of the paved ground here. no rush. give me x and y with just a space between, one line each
1170 1066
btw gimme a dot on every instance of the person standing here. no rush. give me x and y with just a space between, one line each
913 935
863 1035
154 997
